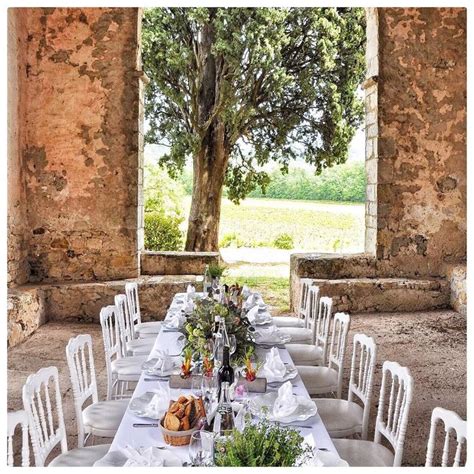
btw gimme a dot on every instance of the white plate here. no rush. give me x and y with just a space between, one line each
118 459
138 406
148 367
291 373
306 408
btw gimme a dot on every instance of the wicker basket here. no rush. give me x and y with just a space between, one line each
176 438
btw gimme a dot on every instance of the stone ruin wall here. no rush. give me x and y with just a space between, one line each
421 185
77 162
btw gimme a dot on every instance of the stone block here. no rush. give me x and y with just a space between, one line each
176 263
456 275
26 313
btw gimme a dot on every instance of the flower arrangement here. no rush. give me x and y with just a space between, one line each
263 444
186 366
200 325
250 371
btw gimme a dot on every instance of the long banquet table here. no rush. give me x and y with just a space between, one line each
127 435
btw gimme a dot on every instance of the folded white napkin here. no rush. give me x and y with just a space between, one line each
251 301
245 291
189 308
159 403
174 320
190 292
252 314
286 403
274 367
142 457
268 335
164 362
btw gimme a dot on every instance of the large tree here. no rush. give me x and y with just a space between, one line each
238 87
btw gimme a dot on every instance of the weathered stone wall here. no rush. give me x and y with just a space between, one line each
82 143
457 281
18 271
421 186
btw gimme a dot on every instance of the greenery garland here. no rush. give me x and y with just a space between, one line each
199 329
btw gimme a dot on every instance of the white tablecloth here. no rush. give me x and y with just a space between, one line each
127 435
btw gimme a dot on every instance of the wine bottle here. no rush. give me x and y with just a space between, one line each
226 372
216 325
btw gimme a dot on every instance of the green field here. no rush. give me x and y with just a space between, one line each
314 225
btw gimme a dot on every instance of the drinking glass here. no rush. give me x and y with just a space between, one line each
196 385
201 448
233 344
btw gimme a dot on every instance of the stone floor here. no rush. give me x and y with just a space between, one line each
431 344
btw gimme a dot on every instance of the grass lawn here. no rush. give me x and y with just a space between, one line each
313 225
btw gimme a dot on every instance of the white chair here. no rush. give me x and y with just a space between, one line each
452 423
328 379
46 422
306 335
299 320
315 354
98 418
148 329
16 418
130 345
391 423
120 370
343 418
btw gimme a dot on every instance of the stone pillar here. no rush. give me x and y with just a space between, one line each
371 130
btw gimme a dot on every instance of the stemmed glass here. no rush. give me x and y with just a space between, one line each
233 344
201 448
196 385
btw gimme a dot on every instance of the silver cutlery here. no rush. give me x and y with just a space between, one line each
156 379
146 425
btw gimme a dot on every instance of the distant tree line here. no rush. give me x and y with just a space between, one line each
344 182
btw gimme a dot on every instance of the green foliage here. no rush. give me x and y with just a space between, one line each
283 241
216 270
200 325
281 83
262 445
344 182
162 194
162 232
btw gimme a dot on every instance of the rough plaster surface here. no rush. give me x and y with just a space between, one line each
432 345
176 263
421 189
457 275
80 158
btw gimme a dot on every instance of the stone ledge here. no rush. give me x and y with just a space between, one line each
363 295
26 313
176 263
82 302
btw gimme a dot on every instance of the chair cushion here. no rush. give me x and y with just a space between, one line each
128 366
340 417
363 453
318 380
103 418
141 346
305 354
299 335
81 456
288 321
148 329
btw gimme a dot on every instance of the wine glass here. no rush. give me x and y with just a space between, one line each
201 448
196 385
232 344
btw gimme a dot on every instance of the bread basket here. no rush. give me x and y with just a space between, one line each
177 438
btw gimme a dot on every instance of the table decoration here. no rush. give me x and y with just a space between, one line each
200 326
263 444
187 361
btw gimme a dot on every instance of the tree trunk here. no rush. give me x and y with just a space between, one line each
208 181
210 163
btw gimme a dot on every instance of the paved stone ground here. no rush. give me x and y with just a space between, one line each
431 344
